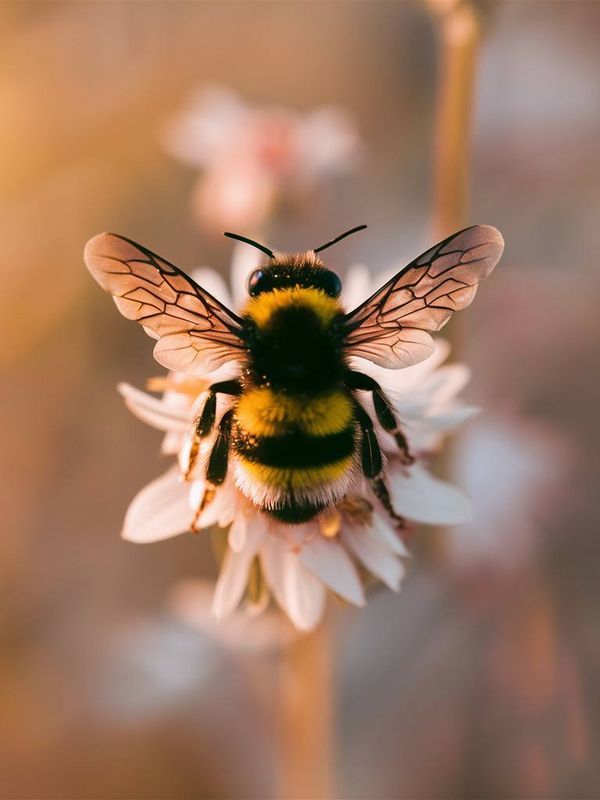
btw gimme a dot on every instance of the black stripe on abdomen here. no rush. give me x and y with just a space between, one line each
295 449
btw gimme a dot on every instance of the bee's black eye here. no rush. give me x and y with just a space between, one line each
256 282
330 283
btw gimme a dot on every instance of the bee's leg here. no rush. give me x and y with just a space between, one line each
372 463
370 452
206 420
382 494
216 470
383 410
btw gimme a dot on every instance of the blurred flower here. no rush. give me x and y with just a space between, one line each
516 468
251 157
149 665
297 564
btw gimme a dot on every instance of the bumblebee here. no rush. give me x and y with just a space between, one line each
296 434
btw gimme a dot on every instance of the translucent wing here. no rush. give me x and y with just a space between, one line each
196 333
391 327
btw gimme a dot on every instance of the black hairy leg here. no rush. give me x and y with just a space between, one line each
372 463
382 494
383 409
206 420
216 470
370 452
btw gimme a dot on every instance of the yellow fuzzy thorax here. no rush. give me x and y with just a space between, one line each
262 307
263 412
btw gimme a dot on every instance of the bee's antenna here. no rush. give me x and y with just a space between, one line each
251 242
339 238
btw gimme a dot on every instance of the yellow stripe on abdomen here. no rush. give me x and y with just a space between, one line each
264 412
297 479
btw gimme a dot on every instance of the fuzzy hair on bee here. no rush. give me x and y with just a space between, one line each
295 434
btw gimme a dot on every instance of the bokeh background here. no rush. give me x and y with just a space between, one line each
479 680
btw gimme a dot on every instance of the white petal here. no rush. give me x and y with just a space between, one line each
272 557
161 510
327 142
444 384
232 582
376 557
196 494
305 594
210 280
330 562
160 413
233 577
411 378
172 443
244 260
450 418
426 432
237 533
222 509
207 127
417 495
388 536
300 594
356 286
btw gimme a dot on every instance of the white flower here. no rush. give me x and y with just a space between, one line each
250 156
298 564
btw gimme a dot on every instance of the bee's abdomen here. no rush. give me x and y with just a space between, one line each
292 450
296 449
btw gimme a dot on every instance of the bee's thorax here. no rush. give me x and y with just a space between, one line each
294 343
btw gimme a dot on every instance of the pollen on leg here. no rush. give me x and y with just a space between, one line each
207 498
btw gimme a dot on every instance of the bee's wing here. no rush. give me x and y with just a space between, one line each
196 333
391 327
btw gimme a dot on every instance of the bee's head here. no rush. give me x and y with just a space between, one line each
296 269
305 270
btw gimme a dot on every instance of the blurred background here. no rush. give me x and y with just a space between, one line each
479 680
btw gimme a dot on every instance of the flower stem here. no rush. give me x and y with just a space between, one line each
459 36
306 718
459 33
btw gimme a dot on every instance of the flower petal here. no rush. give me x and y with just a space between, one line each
221 510
445 383
388 536
409 379
157 412
305 594
210 280
244 259
328 142
330 562
356 286
161 510
377 558
237 533
419 496
233 577
451 417
299 593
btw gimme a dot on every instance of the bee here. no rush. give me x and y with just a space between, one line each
296 433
